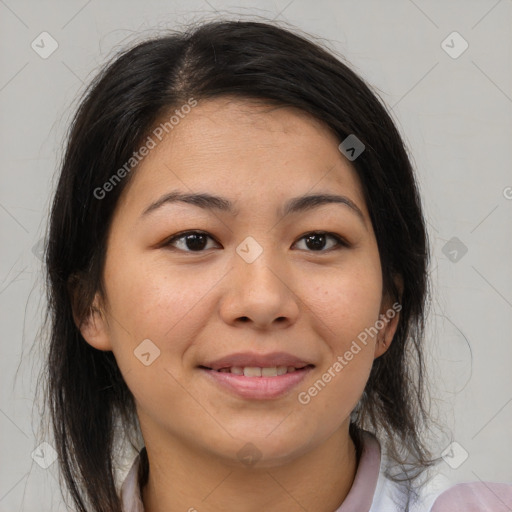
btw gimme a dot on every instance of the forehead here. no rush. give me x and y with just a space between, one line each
246 150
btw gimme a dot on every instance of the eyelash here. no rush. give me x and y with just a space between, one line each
340 242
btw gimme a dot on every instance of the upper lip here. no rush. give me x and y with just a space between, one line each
244 359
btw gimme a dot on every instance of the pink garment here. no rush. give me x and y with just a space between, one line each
475 497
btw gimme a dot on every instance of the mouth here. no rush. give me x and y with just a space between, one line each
257 371
257 377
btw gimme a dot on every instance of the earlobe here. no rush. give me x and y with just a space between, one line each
94 329
387 324
90 320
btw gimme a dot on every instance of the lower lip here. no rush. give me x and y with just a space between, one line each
259 388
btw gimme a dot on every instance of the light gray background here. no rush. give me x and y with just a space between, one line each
455 115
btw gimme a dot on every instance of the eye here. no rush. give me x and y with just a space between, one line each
316 241
190 241
197 241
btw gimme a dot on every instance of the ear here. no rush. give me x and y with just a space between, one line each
90 320
388 320
94 327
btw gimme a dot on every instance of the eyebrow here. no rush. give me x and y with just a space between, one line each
294 205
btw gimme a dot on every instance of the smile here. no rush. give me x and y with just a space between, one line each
256 371
257 383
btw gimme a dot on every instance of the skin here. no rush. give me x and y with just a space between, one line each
196 306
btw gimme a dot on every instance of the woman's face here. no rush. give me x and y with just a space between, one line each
255 289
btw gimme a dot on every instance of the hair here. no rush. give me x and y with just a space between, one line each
85 391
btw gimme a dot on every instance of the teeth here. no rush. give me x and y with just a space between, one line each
269 372
252 371
255 371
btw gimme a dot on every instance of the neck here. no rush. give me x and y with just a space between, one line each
183 479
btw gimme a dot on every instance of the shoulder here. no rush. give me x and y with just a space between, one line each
434 492
475 497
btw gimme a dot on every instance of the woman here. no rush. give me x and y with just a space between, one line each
237 269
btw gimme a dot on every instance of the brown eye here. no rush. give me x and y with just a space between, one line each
190 241
318 240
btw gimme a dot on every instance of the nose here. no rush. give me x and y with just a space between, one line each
260 294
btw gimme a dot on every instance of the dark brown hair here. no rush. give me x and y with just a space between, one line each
85 390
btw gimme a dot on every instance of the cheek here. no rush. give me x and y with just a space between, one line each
346 302
148 302
151 301
344 306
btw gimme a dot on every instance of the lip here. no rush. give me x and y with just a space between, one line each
258 388
253 359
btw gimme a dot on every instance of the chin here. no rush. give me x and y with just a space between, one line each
266 451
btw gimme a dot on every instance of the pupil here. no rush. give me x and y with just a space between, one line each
319 244
193 242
